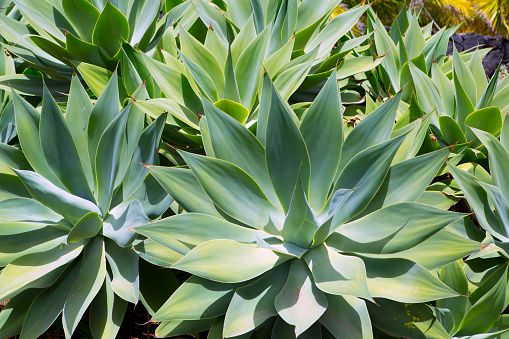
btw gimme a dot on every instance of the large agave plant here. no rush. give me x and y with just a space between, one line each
66 209
295 229
7 125
488 197
227 68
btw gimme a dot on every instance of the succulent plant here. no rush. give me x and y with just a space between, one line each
77 186
487 269
296 229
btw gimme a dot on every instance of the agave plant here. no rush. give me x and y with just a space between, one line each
74 191
278 233
487 269
7 125
228 71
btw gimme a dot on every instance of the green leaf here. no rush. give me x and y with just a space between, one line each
347 316
180 327
196 299
96 77
489 92
27 125
228 261
123 263
157 284
426 92
77 116
252 304
451 130
300 303
248 68
334 30
204 81
87 227
286 152
231 189
237 111
486 305
59 150
88 283
182 232
36 270
111 29
300 222
23 209
487 119
478 201
372 130
321 127
83 16
233 142
120 221
399 227
108 158
70 206
404 281
14 312
106 108
336 273
106 312
407 180
47 305
183 186
141 17
464 105
463 75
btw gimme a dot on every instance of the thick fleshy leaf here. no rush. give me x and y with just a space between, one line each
106 312
123 263
248 67
87 227
321 128
87 285
407 180
336 273
233 142
372 130
487 119
300 303
347 317
83 16
108 158
157 284
181 327
363 185
35 270
488 303
23 209
197 299
478 201
70 206
182 185
229 261
286 151
48 305
399 227
59 150
120 221
77 116
14 312
404 281
27 125
301 222
111 29
104 111
231 189
182 232
252 304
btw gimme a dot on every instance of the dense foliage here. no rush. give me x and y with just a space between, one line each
248 169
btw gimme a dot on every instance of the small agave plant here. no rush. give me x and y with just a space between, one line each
66 210
52 35
294 230
487 270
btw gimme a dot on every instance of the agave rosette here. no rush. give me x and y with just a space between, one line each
295 43
281 235
67 207
487 196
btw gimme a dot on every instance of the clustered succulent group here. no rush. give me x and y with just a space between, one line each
248 169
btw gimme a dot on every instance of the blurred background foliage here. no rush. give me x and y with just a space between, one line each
480 16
